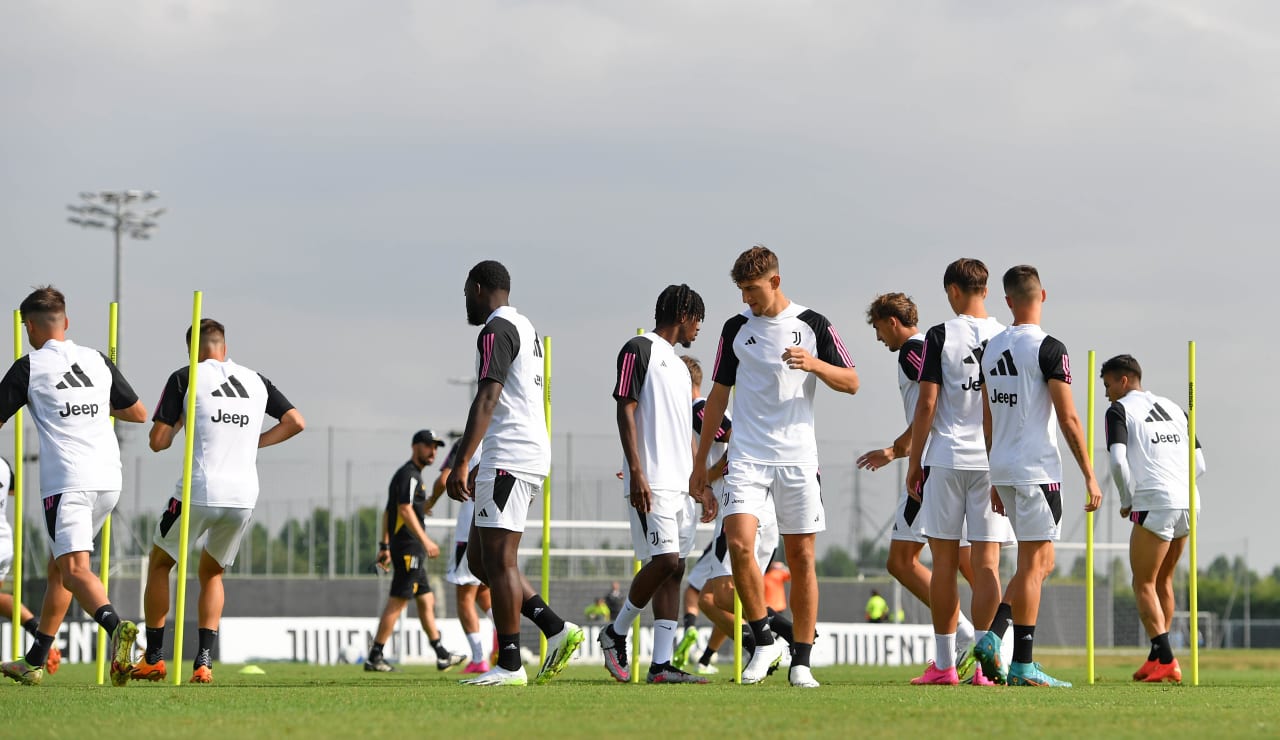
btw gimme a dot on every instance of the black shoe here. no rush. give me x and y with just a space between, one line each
378 665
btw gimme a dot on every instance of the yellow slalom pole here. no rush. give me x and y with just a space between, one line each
737 638
1194 637
180 611
1088 529
635 633
546 494
18 453
636 565
104 572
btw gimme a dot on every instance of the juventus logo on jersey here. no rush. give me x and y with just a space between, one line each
230 388
74 379
795 338
1158 414
1005 365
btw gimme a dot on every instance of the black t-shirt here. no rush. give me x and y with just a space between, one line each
406 488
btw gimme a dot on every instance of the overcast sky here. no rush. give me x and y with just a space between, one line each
332 169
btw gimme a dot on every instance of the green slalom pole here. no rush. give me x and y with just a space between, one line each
18 452
180 610
104 571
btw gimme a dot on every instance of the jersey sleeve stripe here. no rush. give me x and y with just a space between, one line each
844 353
487 355
715 369
628 367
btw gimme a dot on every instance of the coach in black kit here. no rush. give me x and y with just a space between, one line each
405 548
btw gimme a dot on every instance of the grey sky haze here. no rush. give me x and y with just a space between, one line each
332 169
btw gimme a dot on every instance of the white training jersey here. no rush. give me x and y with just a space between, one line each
651 374
1017 367
910 363
232 402
719 446
773 404
6 486
509 352
1153 430
952 361
466 510
70 391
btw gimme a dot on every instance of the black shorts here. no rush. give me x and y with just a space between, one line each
408 574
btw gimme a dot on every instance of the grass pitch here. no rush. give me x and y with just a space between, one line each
1236 698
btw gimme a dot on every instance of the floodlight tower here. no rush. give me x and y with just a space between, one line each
114 210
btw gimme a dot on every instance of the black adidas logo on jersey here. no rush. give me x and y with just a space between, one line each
74 379
975 354
750 341
1158 414
230 388
1005 365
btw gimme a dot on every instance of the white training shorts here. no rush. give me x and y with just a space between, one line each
72 519
721 564
1167 524
459 572
795 490
667 528
6 557
226 527
906 520
957 505
1034 510
502 498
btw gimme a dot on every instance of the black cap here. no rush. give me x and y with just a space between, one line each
427 437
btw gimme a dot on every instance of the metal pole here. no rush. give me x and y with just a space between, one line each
333 523
351 521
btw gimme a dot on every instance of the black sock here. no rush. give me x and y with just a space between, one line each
31 626
761 632
509 651
441 650
782 627
689 620
540 614
748 642
204 655
1004 618
706 656
38 653
107 617
1155 651
375 652
155 645
1164 651
1024 641
800 653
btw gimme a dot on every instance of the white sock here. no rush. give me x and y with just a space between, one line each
664 640
965 631
626 615
978 635
477 649
489 613
946 649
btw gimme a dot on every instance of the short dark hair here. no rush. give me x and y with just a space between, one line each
490 275
1123 365
695 370
1021 281
676 301
44 303
893 305
209 330
967 274
753 263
